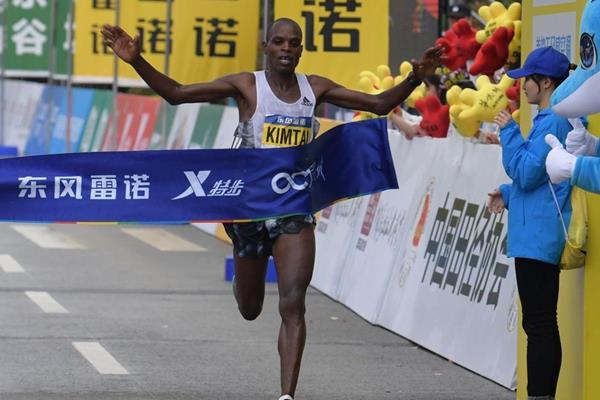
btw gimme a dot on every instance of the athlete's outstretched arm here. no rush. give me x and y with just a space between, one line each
128 49
328 91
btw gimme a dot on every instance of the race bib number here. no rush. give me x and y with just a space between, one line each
282 131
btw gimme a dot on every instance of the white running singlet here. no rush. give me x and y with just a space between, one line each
276 123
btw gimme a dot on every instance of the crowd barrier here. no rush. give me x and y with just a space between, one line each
428 261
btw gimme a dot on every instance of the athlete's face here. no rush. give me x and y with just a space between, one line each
284 48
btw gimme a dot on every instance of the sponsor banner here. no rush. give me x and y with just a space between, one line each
380 234
326 124
335 230
556 30
81 102
207 126
21 100
135 123
199 185
453 289
163 124
97 122
223 140
210 38
428 261
183 126
93 61
229 123
341 38
112 134
44 119
28 37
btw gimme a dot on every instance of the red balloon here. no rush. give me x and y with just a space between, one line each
513 93
459 45
493 54
436 117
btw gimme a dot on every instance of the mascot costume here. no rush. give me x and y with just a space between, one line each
576 97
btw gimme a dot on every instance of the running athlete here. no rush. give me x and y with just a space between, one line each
265 99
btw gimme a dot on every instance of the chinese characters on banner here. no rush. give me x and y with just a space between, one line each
341 37
28 37
466 252
113 187
102 187
428 261
209 38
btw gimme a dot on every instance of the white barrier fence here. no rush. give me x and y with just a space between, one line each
428 261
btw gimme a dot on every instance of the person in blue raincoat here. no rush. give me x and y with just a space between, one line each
535 235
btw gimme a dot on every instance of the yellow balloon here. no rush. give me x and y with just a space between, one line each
466 127
488 100
372 76
366 85
383 71
404 69
496 15
514 48
387 83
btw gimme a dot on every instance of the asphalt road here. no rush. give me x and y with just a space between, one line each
138 312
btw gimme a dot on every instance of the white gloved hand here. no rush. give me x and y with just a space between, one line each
559 163
579 141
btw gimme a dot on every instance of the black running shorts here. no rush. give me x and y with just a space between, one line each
255 239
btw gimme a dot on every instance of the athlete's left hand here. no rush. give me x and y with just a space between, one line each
559 163
431 59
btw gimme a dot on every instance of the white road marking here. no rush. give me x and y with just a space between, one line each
46 302
9 264
101 359
163 240
47 237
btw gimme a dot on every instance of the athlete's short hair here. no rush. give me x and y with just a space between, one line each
279 21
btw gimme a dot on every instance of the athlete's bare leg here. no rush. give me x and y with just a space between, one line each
250 285
294 258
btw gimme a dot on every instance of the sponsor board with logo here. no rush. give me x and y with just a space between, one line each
433 265
335 230
20 102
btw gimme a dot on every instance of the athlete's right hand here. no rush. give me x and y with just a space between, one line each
123 45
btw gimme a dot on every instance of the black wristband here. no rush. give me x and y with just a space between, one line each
413 80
